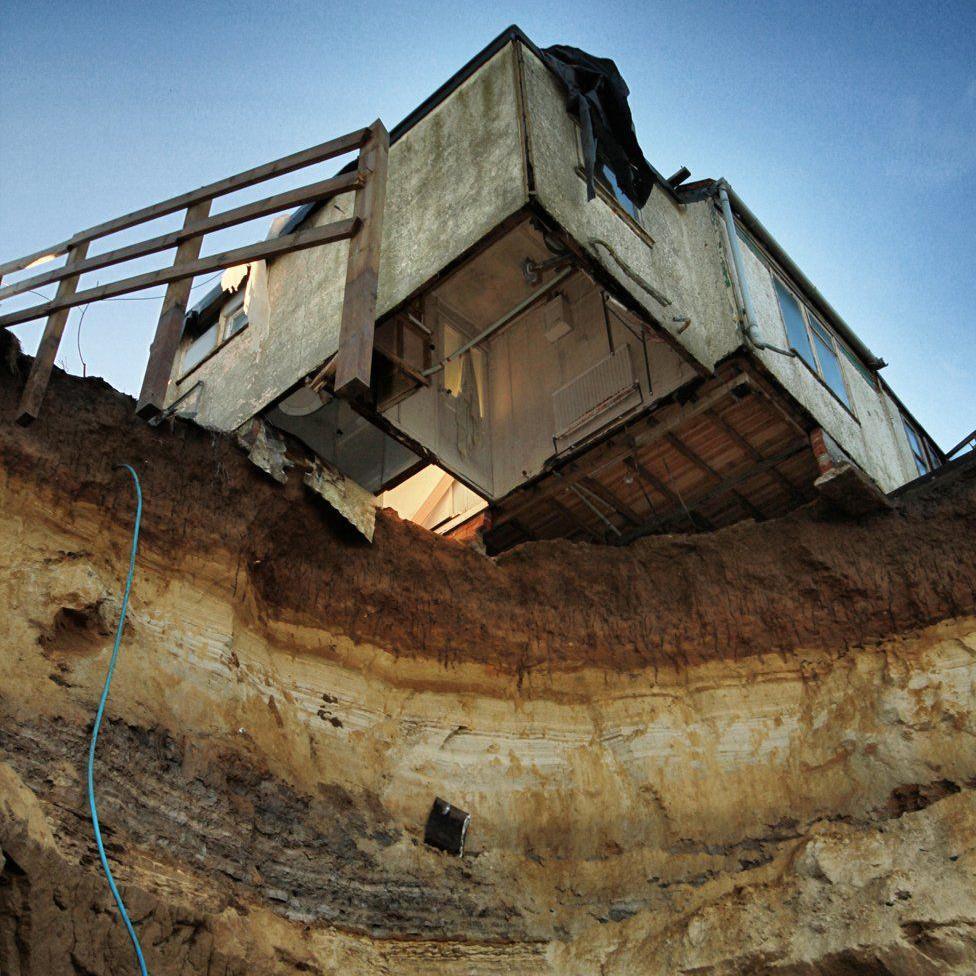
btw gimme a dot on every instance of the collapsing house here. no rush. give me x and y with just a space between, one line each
564 342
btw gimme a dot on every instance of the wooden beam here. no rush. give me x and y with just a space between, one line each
407 368
162 353
649 478
35 257
617 449
355 357
298 240
570 516
678 507
602 520
609 498
428 505
47 351
701 463
267 171
725 485
322 190
752 451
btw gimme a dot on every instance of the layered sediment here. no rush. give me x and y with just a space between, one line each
744 752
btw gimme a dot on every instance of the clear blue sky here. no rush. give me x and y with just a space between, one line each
850 129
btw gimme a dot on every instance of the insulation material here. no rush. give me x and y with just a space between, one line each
256 303
231 279
265 449
353 502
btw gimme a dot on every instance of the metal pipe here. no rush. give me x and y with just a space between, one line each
509 316
579 494
751 330
755 226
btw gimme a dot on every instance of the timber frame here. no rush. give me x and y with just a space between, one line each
363 229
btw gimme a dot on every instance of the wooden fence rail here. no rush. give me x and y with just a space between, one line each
368 181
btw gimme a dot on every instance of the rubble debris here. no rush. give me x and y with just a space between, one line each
353 502
266 449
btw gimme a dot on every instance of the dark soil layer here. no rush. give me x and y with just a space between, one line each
814 578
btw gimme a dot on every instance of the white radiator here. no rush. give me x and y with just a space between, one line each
595 397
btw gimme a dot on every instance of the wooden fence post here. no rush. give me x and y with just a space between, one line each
169 329
40 373
355 358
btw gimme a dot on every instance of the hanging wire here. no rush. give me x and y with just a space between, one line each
136 298
674 488
84 365
123 298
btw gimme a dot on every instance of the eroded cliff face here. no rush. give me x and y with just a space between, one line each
748 752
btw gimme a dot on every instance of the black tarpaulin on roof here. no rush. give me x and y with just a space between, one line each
597 94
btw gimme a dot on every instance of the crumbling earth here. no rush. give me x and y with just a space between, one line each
750 752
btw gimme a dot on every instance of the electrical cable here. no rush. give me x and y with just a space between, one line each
98 722
135 298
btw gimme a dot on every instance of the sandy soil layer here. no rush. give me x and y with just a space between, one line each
748 752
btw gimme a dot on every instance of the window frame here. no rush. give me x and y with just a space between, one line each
822 333
604 175
606 192
228 311
926 455
773 268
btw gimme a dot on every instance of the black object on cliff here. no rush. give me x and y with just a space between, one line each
597 94
446 827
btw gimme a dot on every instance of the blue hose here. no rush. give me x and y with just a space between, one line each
98 723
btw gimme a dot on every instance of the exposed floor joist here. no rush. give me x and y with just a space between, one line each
726 454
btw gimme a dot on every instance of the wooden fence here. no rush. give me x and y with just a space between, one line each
363 229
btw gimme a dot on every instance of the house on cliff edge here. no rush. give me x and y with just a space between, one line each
567 343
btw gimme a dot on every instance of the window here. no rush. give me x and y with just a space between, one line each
916 443
796 329
232 320
605 175
201 347
823 344
751 244
866 374
812 341
234 323
608 188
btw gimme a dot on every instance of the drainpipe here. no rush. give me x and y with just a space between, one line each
751 326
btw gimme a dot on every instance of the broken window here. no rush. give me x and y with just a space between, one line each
605 180
812 342
605 177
